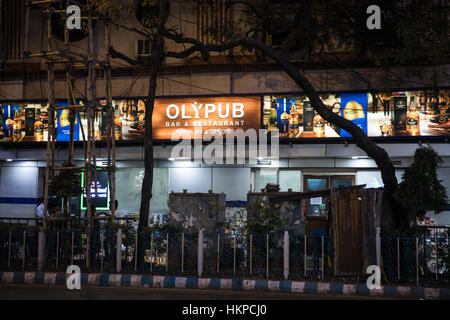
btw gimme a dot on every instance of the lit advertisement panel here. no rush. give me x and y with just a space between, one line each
385 114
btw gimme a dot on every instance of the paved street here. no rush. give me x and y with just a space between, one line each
37 292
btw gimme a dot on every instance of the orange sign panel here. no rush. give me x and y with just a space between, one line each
174 118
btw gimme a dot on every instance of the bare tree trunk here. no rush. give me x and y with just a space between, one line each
147 182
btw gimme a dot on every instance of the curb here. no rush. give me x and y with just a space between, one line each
151 281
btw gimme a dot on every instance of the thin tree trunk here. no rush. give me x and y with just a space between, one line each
147 182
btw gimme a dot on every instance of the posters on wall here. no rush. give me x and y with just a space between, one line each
354 108
63 124
388 114
9 113
385 114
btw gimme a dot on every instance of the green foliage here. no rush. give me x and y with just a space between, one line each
421 189
67 183
110 8
263 217
411 30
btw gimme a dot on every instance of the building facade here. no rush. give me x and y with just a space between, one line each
236 93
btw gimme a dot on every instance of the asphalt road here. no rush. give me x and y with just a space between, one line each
47 292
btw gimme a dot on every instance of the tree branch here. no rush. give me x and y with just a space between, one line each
147 60
377 153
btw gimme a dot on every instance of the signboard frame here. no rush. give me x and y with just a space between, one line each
82 207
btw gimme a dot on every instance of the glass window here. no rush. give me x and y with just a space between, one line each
316 184
265 176
290 179
128 189
342 182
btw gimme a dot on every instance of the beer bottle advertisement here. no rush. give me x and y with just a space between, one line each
8 116
354 108
63 124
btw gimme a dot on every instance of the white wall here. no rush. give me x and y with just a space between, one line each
192 179
18 182
264 176
290 179
443 218
234 182
366 177
129 185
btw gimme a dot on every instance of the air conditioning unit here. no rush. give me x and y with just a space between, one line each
143 48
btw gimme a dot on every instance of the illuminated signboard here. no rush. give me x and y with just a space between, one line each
99 197
213 116
387 114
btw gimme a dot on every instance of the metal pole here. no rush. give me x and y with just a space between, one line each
24 249
119 251
101 251
218 252
40 250
251 247
167 252
304 258
378 246
135 252
71 261
436 246
398 258
88 258
417 261
151 253
234 255
200 253
322 257
57 248
267 256
182 252
286 254
9 250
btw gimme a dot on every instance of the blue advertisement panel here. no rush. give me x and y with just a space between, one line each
63 124
8 112
284 108
354 108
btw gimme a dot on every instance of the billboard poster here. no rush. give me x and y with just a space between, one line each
384 114
354 108
283 111
177 117
63 124
8 113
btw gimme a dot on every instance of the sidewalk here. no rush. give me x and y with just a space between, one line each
152 281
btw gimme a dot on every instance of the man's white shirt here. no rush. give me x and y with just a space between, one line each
40 211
